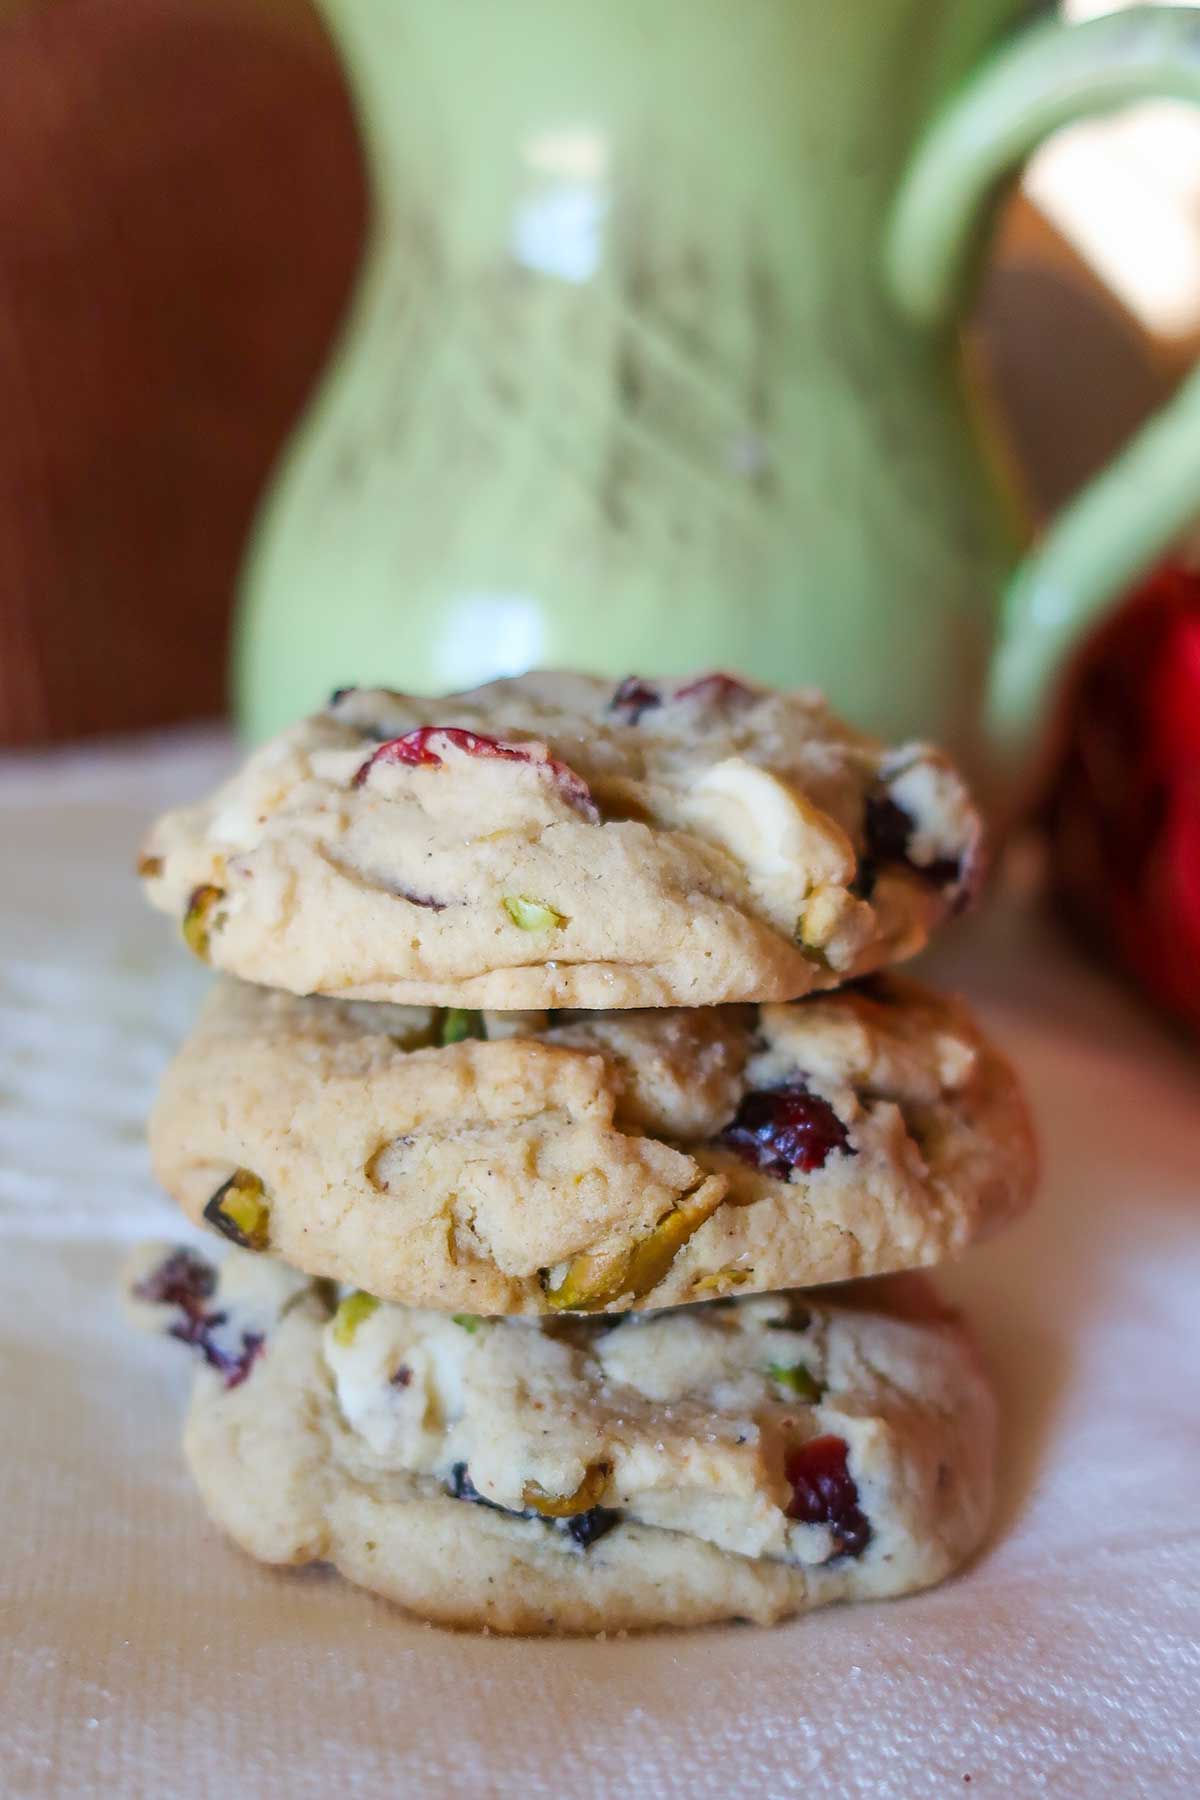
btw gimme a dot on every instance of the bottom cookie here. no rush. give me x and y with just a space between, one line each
748 1458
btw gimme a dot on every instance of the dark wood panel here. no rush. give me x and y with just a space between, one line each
181 210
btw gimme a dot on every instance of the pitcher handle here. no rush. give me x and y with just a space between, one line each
1048 75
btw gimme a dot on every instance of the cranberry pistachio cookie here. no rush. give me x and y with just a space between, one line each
744 1459
553 841
539 1163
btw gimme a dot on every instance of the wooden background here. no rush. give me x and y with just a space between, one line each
181 208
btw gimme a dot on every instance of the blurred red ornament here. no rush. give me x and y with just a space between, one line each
1124 808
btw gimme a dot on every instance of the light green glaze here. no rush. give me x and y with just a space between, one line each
624 387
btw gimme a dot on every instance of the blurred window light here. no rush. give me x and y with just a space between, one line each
578 155
1125 192
489 634
558 226
559 231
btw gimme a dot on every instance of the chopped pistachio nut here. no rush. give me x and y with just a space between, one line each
468 1321
813 952
350 1314
562 1506
149 867
721 1280
239 1212
531 915
592 1282
835 923
797 1380
458 1022
820 918
199 922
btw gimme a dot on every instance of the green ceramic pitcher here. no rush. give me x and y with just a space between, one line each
652 363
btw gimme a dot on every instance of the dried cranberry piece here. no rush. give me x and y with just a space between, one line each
184 1279
420 749
781 1129
415 899
865 877
195 1329
824 1493
235 1365
887 831
187 1281
633 698
714 690
198 1333
888 828
413 749
586 1527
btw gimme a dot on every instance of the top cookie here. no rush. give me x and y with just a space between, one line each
553 841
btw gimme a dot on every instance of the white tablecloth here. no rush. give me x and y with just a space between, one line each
140 1655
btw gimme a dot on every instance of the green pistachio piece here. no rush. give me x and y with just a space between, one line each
201 920
721 1280
807 936
239 1212
350 1314
562 1506
595 1281
459 1023
797 1380
468 1321
531 915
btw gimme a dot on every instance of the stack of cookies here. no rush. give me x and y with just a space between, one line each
564 1130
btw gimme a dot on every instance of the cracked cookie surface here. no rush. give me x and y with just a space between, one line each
748 1458
531 1163
552 841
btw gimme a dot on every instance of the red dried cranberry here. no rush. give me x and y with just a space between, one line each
824 1493
199 1333
184 1279
415 899
714 690
888 830
413 749
633 698
235 1365
781 1129
420 749
187 1281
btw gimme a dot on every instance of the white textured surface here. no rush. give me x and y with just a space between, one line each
141 1656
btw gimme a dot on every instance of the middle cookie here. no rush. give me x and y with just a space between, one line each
535 1162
